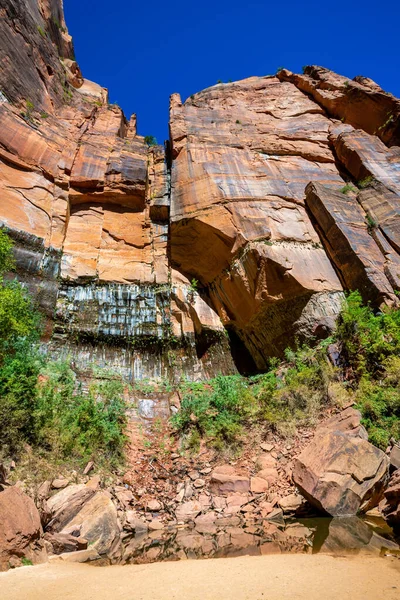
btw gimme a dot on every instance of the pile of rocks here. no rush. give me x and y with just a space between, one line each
338 472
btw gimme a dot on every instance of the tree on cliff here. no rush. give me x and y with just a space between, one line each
17 315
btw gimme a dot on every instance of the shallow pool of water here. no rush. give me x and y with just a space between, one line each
338 536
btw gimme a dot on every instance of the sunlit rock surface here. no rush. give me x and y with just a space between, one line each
141 258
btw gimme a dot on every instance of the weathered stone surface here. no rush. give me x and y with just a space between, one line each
65 542
291 503
65 505
354 252
341 474
359 101
109 247
99 521
222 484
20 528
390 505
395 457
243 154
347 421
188 511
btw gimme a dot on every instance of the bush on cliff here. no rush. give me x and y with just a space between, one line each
41 403
296 391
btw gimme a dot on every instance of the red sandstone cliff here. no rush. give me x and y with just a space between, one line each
257 212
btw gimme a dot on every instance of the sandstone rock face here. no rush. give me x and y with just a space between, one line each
110 232
87 203
352 249
20 529
341 474
360 102
243 154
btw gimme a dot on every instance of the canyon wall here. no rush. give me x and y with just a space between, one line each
255 197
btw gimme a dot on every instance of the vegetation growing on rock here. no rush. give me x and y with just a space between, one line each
296 391
41 403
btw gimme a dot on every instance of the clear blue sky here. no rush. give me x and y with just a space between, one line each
143 51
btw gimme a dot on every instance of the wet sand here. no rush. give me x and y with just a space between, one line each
280 577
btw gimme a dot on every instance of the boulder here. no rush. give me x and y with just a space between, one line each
20 529
395 458
258 485
390 506
65 542
67 503
99 521
188 511
291 503
134 523
222 484
347 421
340 474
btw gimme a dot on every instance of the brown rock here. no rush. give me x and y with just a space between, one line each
265 461
67 503
347 421
188 511
154 505
390 505
269 475
258 485
60 483
20 530
395 457
65 542
359 101
351 248
99 521
224 484
341 474
291 503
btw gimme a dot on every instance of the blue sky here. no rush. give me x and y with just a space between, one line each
144 51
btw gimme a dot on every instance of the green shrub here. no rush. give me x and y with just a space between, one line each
347 188
364 183
216 411
150 140
368 339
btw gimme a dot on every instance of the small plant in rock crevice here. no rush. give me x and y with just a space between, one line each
371 223
364 183
348 188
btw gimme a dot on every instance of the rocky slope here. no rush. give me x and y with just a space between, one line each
246 199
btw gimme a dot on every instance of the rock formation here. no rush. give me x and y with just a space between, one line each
340 472
254 197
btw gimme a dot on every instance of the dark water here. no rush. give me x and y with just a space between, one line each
339 536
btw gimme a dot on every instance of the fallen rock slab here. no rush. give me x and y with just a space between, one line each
341 475
20 529
67 503
99 521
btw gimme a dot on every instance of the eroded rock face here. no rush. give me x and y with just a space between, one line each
243 154
341 474
87 203
20 529
110 232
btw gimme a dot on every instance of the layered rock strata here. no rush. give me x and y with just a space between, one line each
255 199
86 201
243 153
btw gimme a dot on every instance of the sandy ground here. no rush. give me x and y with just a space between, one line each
281 577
